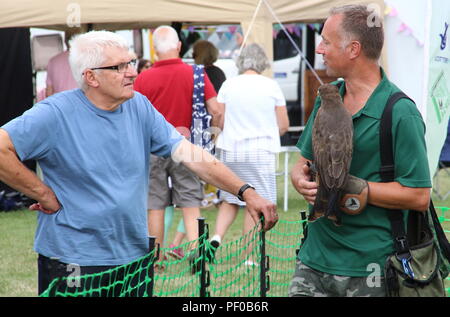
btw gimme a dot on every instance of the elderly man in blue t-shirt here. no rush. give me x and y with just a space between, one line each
93 145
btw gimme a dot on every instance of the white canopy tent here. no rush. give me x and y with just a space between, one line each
118 14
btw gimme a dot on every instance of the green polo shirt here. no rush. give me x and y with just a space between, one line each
365 239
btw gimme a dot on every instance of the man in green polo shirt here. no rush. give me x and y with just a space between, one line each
348 260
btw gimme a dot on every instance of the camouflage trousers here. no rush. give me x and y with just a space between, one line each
308 282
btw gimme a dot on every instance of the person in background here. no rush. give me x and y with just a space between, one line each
169 85
205 53
255 118
59 74
143 64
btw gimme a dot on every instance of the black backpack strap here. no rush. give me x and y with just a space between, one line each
387 173
386 147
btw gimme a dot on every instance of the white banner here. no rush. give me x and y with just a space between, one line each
438 88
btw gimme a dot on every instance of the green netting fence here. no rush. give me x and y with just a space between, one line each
259 264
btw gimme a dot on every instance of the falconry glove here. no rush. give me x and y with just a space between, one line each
356 192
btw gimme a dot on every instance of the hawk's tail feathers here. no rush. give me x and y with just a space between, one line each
333 212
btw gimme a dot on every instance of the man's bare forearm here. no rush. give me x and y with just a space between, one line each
395 196
15 174
207 167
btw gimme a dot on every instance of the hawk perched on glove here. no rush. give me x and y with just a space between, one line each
332 141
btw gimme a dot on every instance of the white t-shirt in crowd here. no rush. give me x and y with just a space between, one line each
250 121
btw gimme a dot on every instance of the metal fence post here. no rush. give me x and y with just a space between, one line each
204 275
151 269
304 231
264 267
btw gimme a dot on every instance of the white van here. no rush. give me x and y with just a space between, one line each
285 70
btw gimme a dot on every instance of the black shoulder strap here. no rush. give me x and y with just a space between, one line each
387 173
386 146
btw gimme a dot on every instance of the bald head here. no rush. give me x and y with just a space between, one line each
166 41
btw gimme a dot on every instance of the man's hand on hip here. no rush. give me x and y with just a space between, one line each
49 204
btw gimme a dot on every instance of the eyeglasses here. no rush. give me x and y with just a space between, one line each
121 68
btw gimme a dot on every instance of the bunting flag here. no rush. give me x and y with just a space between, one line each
231 30
293 28
274 34
403 27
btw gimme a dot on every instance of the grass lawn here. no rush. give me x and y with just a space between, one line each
18 267
18 261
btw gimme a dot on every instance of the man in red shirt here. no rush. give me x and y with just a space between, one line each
169 86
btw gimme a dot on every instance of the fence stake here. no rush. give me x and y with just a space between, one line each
202 254
303 216
264 267
151 269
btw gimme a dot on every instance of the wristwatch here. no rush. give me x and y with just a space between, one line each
243 189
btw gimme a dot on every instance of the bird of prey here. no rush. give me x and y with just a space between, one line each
332 142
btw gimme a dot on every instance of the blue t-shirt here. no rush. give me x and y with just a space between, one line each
97 163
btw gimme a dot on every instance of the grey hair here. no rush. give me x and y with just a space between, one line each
88 50
165 38
252 57
357 25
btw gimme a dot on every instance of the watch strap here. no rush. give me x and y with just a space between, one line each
242 190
